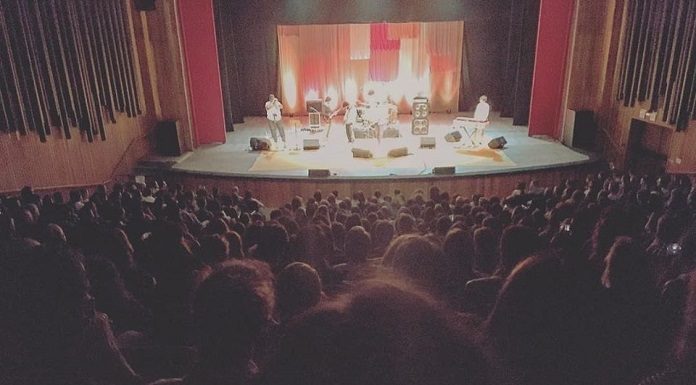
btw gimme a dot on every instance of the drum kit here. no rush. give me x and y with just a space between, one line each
374 119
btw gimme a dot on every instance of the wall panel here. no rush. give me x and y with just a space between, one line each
162 95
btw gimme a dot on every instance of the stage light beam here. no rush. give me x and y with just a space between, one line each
290 90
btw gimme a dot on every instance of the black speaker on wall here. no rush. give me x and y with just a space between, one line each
168 138
582 129
144 5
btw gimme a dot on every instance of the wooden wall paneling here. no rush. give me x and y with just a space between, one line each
23 117
71 45
276 192
652 71
588 73
50 41
688 81
130 56
167 67
672 59
661 52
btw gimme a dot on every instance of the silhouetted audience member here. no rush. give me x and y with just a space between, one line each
232 308
380 333
298 289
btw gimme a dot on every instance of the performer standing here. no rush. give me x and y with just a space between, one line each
273 113
326 110
481 113
350 119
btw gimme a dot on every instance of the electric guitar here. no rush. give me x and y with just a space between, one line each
333 114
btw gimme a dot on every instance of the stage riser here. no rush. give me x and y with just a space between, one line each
278 191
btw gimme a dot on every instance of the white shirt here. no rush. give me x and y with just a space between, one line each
351 115
482 111
273 110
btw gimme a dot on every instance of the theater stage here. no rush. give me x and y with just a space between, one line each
234 158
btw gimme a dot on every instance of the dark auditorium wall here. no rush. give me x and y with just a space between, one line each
253 24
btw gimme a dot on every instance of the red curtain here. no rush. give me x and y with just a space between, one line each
343 61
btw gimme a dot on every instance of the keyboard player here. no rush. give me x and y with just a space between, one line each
481 113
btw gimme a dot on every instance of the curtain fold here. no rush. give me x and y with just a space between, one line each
229 71
344 61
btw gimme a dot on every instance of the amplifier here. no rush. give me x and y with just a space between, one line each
310 144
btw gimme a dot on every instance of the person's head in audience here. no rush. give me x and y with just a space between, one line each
534 329
55 235
612 223
485 250
443 225
54 304
357 245
298 289
272 246
516 244
627 271
458 249
213 249
382 234
380 333
418 259
405 224
235 245
232 308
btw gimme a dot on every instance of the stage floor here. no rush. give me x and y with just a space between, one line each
522 153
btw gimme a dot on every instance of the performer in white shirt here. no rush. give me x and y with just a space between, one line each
481 113
273 113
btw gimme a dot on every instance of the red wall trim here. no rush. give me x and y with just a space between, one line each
553 38
200 52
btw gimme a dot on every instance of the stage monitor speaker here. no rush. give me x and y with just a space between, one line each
310 144
420 126
579 129
144 5
319 173
445 170
168 138
454 136
391 132
361 153
398 152
259 144
497 143
427 142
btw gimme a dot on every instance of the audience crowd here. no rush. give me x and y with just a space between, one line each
584 282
